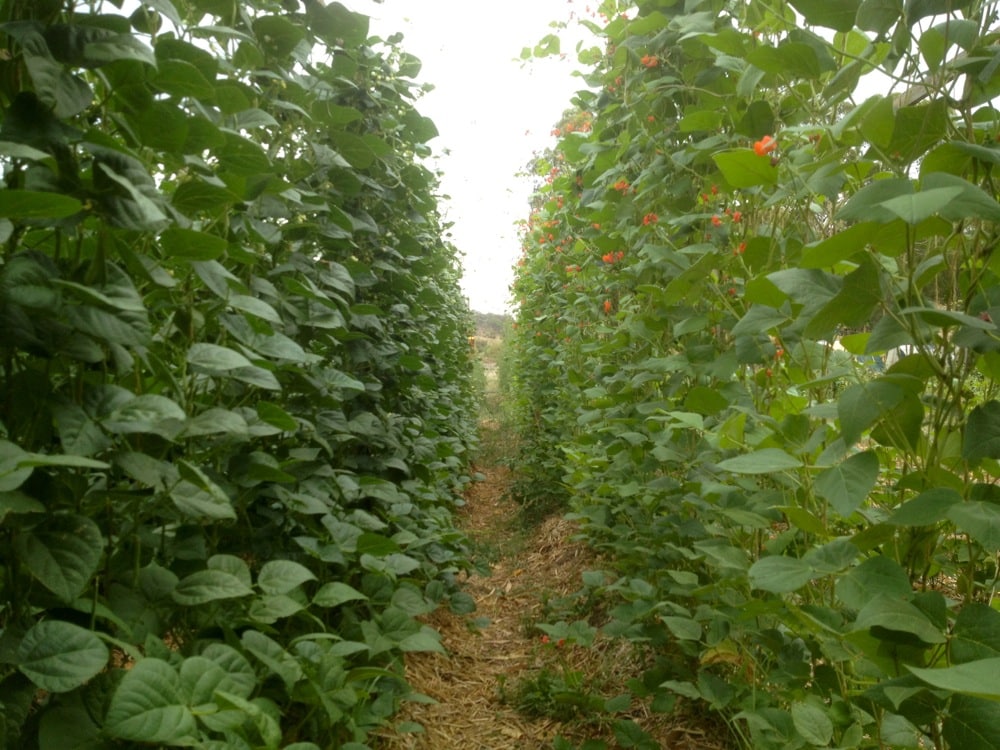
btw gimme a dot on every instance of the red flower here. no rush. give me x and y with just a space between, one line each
716 221
650 219
607 306
764 146
544 639
621 186
737 216
650 61
740 249
608 257
715 189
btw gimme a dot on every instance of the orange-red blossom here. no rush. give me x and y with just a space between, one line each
764 146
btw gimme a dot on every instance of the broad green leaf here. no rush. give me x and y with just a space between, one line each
976 634
425 639
273 414
254 306
198 502
336 593
277 35
866 204
875 576
779 574
887 615
282 576
147 413
270 608
148 706
62 553
206 586
683 628
982 432
972 723
270 653
812 723
216 359
862 405
744 169
189 244
832 14
927 508
977 678
30 204
58 656
980 520
182 79
216 421
764 461
846 485
916 207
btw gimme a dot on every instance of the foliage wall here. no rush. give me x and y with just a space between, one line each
234 378
758 356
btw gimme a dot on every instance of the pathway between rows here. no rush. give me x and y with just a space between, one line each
482 665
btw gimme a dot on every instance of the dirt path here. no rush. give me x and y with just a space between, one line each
528 570
466 683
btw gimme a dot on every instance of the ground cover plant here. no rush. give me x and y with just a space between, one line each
757 358
235 396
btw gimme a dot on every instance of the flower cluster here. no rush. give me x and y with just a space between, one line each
650 219
621 186
764 146
650 61
613 257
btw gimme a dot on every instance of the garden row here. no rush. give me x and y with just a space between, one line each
747 205
235 401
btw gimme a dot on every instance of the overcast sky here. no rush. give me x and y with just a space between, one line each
492 111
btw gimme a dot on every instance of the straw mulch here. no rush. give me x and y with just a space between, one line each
482 666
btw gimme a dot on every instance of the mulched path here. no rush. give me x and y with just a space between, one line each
483 664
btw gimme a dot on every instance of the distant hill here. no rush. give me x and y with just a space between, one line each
490 325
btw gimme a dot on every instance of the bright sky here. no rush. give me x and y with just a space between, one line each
492 111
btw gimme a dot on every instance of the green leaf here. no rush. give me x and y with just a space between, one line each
980 520
779 574
838 15
282 576
916 207
976 678
336 593
846 485
982 432
812 723
764 461
216 359
875 576
30 204
927 508
860 406
148 707
206 586
976 634
62 553
886 615
273 656
58 656
189 244
972 723
146 413
742 168
425 639
277 35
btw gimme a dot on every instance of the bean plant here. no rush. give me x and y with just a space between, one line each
235 401
758 358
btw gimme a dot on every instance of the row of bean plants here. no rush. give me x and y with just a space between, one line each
235 401
757 354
